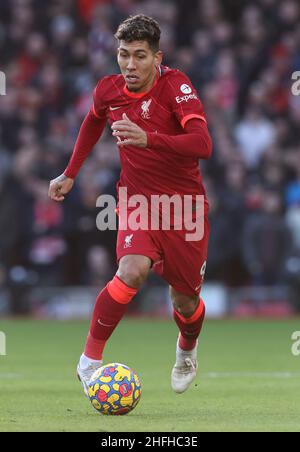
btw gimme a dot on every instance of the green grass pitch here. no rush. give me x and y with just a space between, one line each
248 378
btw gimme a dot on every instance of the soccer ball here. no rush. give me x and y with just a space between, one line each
114 389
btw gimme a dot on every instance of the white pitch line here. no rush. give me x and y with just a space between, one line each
9 376
251 375
212 375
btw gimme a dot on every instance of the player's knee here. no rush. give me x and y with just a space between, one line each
133 277
185 310
133 271
185 305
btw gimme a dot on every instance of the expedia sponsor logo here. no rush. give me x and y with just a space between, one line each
180 99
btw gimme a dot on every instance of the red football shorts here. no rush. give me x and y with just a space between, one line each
179 262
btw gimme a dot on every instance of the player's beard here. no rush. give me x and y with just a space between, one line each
133 88
143 85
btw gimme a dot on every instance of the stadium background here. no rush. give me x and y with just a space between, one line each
240 55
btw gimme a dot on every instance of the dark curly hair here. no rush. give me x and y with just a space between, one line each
140 28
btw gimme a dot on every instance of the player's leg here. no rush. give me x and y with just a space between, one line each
113 301
189 313
136 250
183 267
110 307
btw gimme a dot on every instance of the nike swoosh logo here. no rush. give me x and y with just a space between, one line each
114 108
103 324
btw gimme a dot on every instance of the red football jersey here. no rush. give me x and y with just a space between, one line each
166 108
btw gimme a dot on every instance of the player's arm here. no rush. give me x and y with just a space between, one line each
195 140
89 133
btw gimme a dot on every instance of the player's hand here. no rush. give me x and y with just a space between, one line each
60 187
129 133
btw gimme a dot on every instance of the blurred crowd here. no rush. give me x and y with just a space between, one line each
240 55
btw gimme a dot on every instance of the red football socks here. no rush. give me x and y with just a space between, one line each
110 307
190 327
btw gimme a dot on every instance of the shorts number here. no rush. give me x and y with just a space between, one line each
203 270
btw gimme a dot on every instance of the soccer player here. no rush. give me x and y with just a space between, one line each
161 131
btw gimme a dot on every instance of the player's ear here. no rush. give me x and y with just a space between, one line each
158 57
